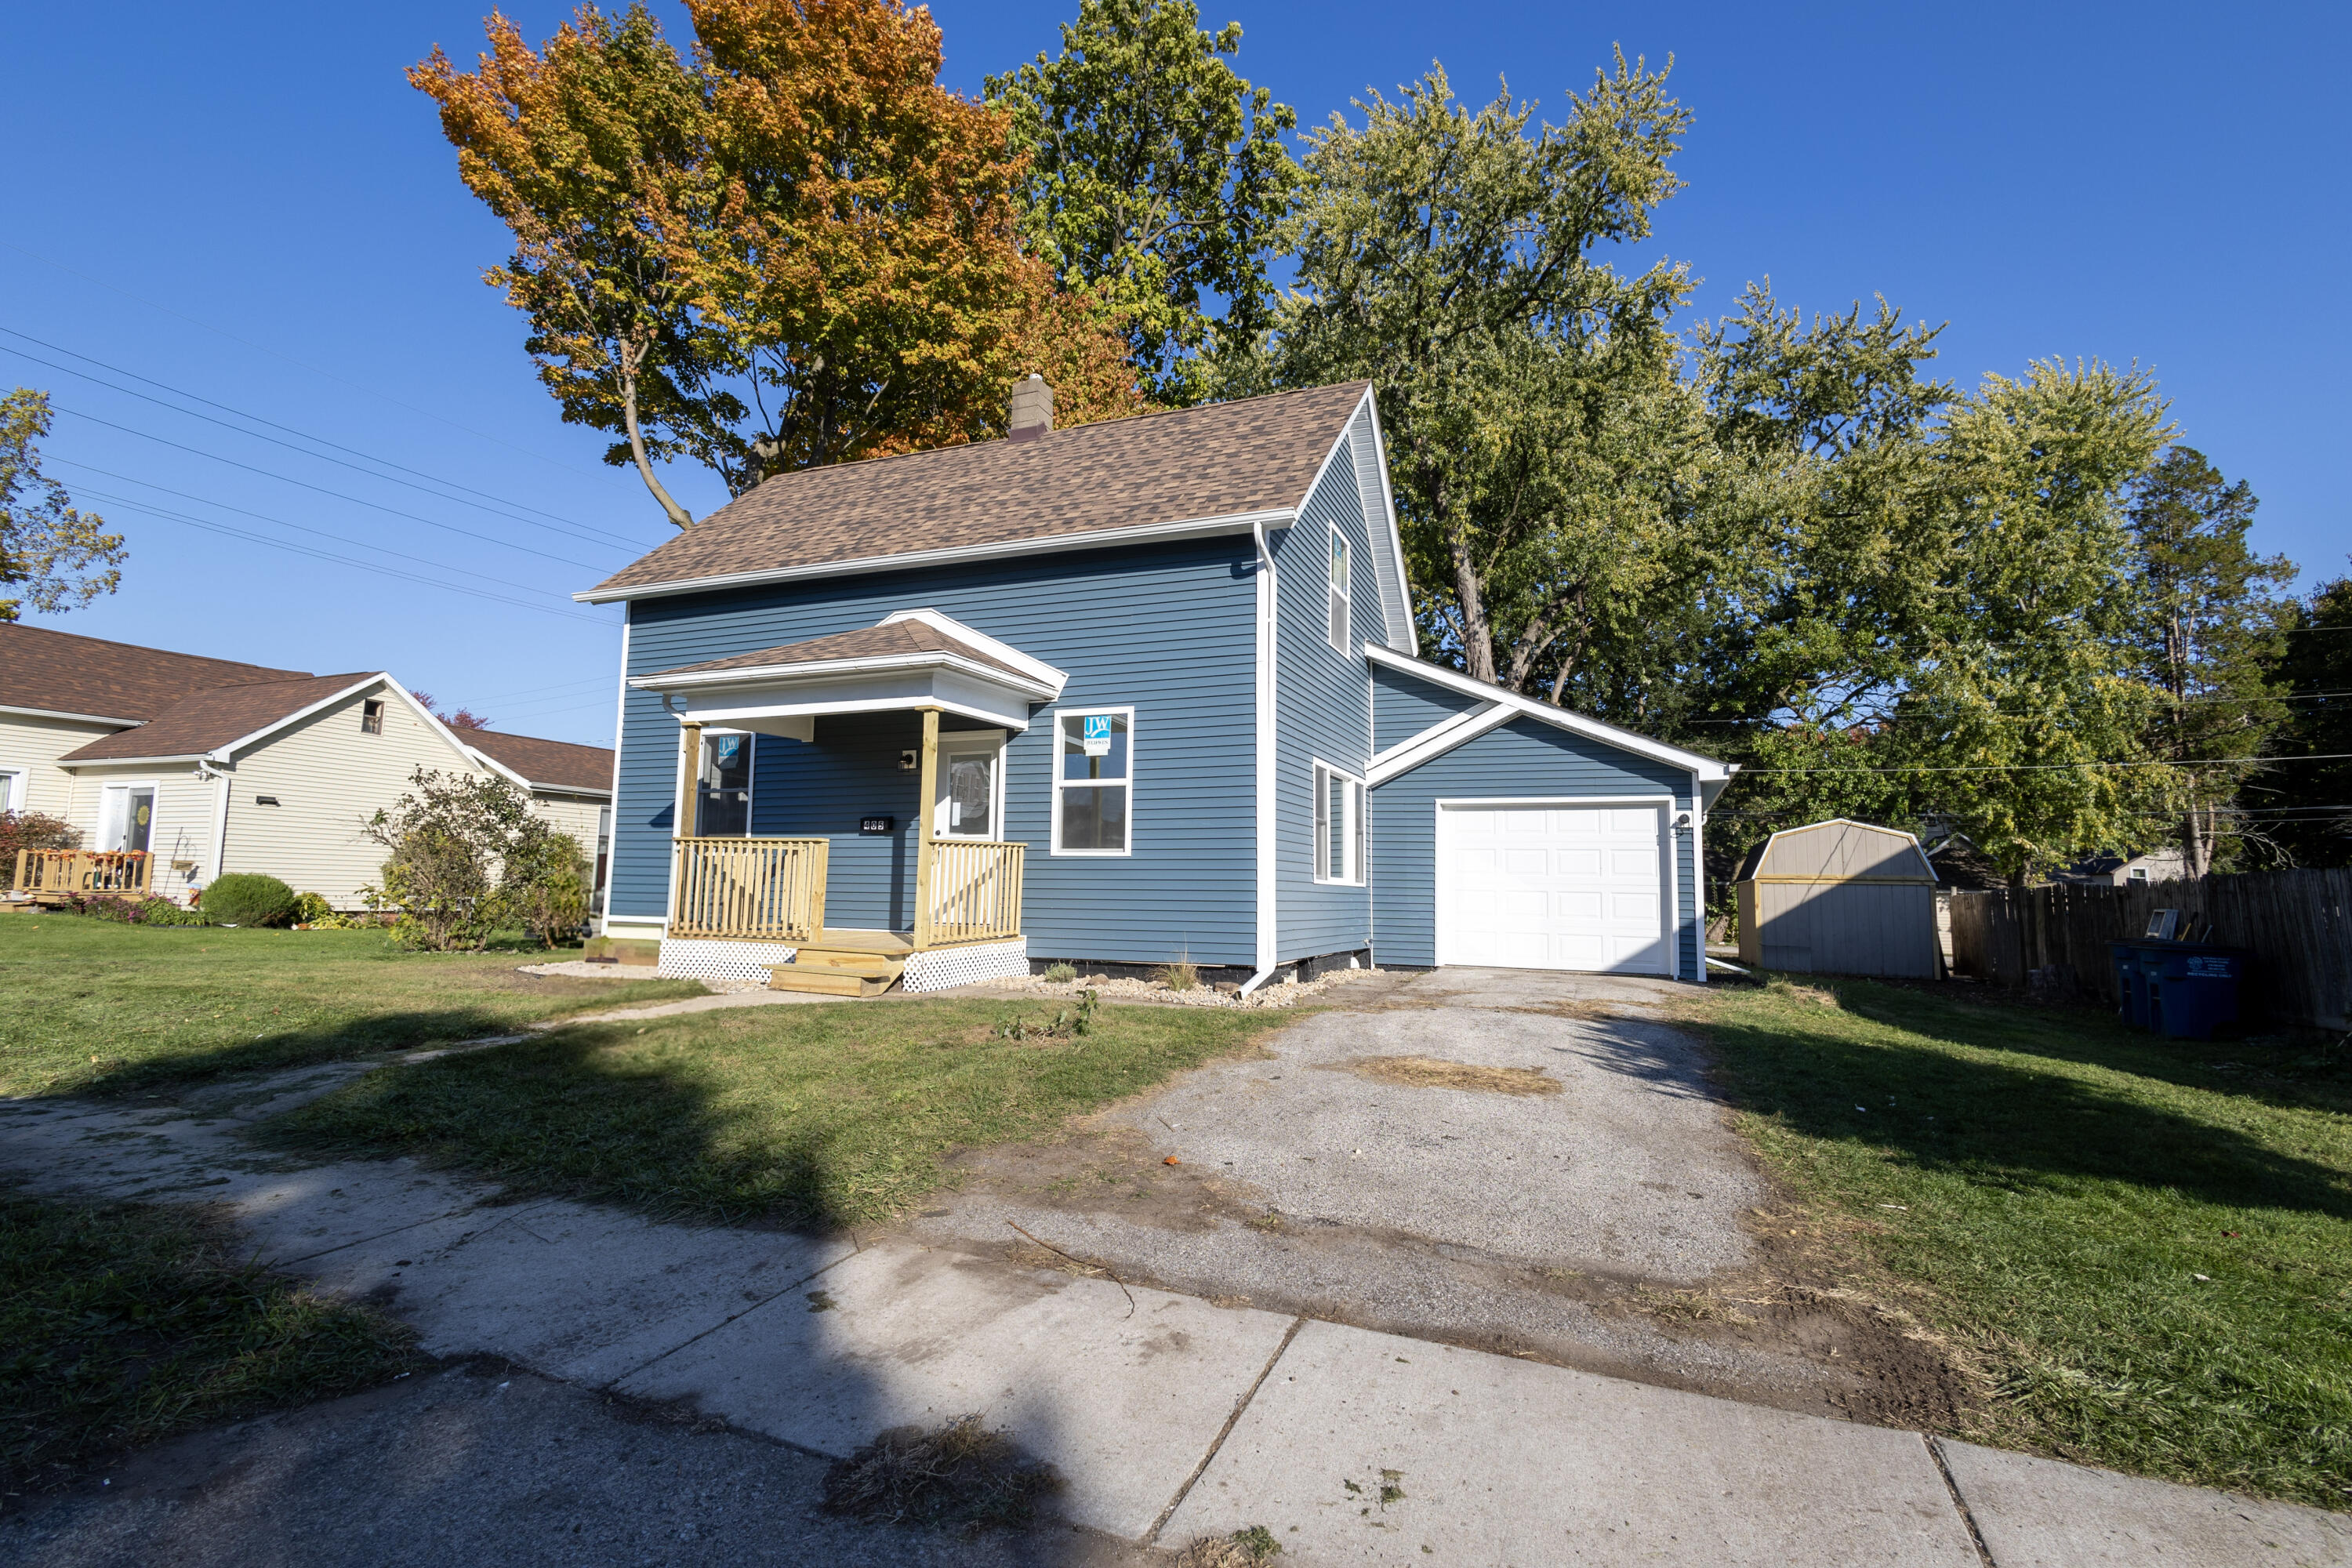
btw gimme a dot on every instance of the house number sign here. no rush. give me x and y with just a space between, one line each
876 824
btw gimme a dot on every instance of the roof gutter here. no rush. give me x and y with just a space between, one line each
913 560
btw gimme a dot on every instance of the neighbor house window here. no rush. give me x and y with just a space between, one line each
2137 873
1339 827
12 789
1339 590
371 716
1094 781
723 801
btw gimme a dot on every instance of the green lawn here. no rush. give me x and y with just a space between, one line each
2145 1245
818 1115
120 1324
93 1005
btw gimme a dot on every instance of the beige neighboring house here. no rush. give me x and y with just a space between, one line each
211 766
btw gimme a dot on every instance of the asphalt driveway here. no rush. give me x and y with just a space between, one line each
1506 1160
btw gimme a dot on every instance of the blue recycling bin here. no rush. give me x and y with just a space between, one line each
2187 990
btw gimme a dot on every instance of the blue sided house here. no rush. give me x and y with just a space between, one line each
1115 695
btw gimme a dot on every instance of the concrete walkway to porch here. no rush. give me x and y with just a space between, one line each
1170 1417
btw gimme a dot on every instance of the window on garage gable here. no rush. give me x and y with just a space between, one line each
1338 826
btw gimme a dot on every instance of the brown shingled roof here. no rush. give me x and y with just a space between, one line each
552 764
63 672
893 639
1216 460
211 719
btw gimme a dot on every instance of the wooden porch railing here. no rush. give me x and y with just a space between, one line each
126 873
769 889
975 890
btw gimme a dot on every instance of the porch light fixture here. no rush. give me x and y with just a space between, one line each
907 760
1682 822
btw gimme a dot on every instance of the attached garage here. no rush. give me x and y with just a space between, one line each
1507 833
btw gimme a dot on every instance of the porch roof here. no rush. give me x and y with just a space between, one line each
914 658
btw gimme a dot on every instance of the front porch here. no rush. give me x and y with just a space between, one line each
53 876
742 901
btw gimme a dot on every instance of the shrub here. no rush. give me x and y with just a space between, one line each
469 856
1060 973
133 912
31 830
247 899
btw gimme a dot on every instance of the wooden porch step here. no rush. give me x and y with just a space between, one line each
827 981
840 960
833 939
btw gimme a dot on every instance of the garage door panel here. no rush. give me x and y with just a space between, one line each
1538 887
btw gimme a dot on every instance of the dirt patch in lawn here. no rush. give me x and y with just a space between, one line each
1427 1072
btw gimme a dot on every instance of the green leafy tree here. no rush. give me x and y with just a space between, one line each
2308 814
55 557
1157 177
1449 255
469 857
2210 623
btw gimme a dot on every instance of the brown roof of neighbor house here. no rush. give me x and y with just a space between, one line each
896 638
1217 460
64 672
551 765
211 719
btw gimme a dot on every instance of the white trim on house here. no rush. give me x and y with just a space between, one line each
1037 670
1338 598
1707 768
620 724
1353 827
72 718
989 743
1269 867
1412 649
14 782
813 670
222 784
1437 740
1670 902
1054 754
1057 543
1698 875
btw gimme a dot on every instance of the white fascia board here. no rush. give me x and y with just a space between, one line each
1037 670
228 752
888 691
908 561
496 766
1707 768
72 718
1436 740
1411 647
773 677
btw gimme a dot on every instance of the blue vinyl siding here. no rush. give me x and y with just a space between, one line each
1322 708
1167 630
1524 758
1404 705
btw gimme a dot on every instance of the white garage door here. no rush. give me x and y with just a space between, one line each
1553 887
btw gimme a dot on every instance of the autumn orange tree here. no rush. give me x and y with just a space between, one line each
791 247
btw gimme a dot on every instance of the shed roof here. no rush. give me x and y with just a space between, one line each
1839 850
1217 460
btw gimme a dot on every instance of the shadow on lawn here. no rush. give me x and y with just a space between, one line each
2006 1123
341 1040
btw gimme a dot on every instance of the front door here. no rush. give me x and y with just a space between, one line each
126 817
968 799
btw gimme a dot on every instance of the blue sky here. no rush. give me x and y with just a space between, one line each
246 203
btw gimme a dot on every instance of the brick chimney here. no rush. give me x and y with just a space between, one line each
1032 409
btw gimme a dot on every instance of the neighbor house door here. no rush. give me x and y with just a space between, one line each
126 817
1555 885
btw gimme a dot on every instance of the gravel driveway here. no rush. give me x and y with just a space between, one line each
1609 1222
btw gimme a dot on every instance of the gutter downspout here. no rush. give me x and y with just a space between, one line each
1268 876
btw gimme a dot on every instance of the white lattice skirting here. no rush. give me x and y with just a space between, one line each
942 967
702 958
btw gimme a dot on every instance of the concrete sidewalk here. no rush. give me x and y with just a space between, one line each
1169 1417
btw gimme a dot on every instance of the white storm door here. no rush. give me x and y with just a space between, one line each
1555 885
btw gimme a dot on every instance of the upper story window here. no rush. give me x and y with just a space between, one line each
723 798
371 717
1094 781
1339 590
1339 827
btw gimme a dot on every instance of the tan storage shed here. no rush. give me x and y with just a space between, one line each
1840 898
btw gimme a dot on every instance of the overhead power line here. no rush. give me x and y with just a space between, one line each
297 527
298 364
304 484
589 535
417 577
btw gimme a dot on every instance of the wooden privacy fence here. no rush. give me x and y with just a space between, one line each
55 872
975 890
2296 924
770 889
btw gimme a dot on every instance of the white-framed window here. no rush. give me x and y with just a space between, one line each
1339 626
2137 874
1094 781
371 716
1338 826
12 789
